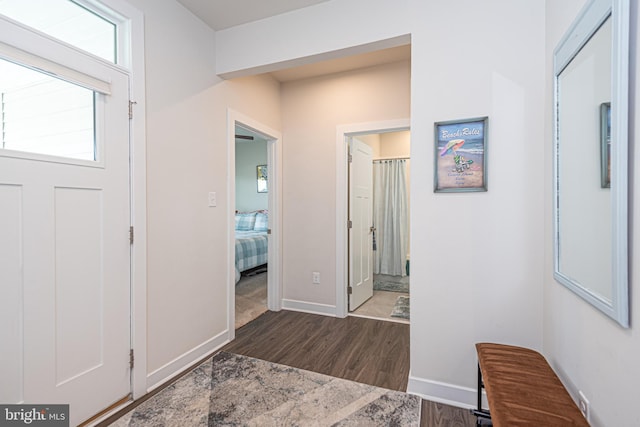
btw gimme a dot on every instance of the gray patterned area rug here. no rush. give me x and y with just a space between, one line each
234 390
401 309
384 282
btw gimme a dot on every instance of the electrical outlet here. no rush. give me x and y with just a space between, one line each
315 278
583 404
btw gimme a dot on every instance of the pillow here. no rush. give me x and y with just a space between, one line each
262 222
245 221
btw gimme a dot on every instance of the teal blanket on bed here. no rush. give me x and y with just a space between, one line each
251 250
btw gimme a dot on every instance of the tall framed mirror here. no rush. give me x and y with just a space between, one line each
591 65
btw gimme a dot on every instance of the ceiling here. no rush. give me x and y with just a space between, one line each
221 14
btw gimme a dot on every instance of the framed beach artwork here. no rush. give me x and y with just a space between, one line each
605 145
461 155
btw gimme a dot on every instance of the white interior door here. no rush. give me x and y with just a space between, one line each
360 233
65 252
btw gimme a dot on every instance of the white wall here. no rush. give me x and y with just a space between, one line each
250 154
311 111
187 158
589 351
395 144
479 255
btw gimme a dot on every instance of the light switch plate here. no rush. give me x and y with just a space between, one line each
213 202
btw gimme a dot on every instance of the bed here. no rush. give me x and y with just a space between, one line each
251 241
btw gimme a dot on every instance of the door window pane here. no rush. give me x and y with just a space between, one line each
45 115
66 21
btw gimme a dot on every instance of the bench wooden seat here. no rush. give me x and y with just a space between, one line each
522 389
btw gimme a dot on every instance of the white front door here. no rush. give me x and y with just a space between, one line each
360 234
64 245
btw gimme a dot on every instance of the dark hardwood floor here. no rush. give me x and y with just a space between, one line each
357 349
369 351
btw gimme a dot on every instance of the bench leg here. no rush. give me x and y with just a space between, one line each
480 387
483 417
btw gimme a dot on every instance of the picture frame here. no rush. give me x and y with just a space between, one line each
263 178
460 155
605 145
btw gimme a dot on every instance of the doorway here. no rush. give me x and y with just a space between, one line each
388 169
386 246
254 238
251 225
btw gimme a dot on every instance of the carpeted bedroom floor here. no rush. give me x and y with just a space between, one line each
251 298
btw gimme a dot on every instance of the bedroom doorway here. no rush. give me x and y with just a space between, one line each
385 241
255 238
251 225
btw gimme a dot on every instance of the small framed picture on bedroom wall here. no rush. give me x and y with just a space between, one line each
461 155
262 178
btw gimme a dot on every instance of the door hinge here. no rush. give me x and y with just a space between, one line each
268 231
349 290
350 158
131 358
349 224
131 235
131 103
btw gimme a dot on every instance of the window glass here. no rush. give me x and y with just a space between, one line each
45 115
66 21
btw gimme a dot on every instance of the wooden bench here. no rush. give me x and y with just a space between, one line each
522 389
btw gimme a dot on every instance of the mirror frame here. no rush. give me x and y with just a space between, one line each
591 17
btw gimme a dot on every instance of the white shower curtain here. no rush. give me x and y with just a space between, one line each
390 217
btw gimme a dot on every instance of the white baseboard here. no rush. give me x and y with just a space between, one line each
309 307
186 360
449 394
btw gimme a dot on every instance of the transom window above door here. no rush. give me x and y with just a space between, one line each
72 22
45 115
